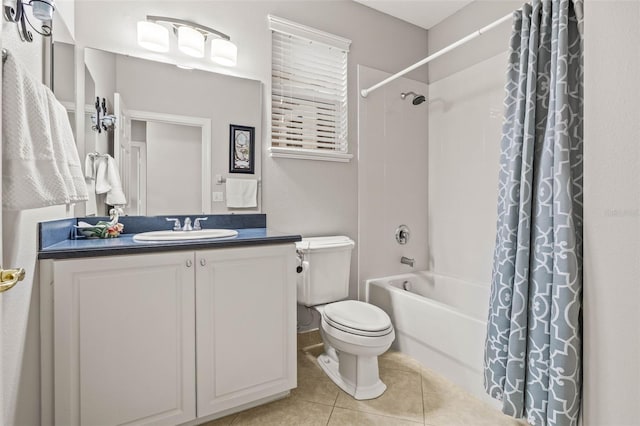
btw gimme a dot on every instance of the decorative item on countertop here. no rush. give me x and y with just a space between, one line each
103 229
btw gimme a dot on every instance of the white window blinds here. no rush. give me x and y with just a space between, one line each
308 92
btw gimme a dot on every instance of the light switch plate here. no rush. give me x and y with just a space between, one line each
217 197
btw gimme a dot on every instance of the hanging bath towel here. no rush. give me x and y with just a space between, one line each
65 150
31 174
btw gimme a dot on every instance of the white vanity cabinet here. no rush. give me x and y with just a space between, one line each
245 318
167 338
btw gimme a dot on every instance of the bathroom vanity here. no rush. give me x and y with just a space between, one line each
166 333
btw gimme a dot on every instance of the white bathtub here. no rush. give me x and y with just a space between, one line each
440 321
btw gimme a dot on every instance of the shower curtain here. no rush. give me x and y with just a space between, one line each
534 332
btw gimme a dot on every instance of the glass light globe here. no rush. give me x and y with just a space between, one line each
224 52
153 36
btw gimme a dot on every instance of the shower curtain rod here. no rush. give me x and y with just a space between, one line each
365 92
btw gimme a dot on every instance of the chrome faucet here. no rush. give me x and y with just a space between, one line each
196 223
176 223
187 223
407 261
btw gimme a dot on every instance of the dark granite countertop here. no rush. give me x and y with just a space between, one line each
57 238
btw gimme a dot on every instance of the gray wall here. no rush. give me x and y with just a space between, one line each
467 20
174 172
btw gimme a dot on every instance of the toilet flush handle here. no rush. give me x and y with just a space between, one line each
300 257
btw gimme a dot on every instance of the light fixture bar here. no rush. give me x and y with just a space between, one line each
175 21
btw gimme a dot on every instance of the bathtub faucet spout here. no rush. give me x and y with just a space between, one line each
407 261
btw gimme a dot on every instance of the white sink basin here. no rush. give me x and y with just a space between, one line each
185 235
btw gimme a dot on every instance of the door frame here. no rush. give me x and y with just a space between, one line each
205 132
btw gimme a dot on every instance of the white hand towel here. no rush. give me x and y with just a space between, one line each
30 174
115 196
89 167
242 193
91 207
102 182
108 181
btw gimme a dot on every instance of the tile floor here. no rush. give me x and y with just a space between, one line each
415 396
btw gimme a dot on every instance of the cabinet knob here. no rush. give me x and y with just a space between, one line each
203 262
189 263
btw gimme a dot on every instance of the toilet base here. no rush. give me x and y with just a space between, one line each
331 367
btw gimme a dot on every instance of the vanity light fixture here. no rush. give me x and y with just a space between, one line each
191 42
153 36
191 39
224 52
42 10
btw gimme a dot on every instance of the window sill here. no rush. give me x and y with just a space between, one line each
309 154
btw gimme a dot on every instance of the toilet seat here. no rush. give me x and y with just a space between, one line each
358 318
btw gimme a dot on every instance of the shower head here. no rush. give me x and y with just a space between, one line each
417 99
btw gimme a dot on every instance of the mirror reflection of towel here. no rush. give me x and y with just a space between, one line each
108 181
242 193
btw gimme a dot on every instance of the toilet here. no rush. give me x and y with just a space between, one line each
354 333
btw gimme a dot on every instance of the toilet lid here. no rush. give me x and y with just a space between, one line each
357 316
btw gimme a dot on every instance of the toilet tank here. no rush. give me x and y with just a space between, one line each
326 262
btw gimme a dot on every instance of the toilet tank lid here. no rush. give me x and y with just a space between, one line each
314 243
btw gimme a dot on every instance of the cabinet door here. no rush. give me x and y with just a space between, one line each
246 325
124 344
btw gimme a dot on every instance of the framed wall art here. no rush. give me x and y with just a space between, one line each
241 149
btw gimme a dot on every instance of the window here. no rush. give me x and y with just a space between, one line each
308 93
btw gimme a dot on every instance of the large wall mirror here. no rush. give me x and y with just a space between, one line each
171 138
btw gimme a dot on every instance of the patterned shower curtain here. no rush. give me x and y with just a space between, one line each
534 332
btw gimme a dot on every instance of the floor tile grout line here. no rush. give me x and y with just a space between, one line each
379 415
330 414
424 409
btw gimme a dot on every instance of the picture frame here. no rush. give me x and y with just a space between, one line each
241 149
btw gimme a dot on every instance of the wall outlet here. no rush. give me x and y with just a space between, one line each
217 197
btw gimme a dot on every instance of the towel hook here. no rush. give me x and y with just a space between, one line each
102 120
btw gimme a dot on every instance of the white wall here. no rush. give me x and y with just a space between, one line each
612 214
465 122
63 81
20 350
392 176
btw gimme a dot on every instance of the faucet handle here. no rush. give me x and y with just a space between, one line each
176 223
196 223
